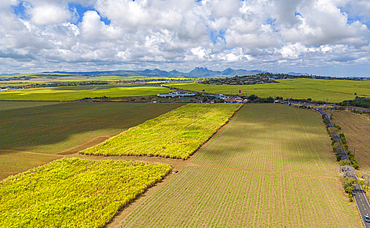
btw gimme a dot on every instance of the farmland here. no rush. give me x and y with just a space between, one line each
4 105
55 128
176 134
71 93
271 166
316 89
356 128
74 192
62 127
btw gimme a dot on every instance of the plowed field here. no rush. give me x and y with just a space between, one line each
356 128
271 166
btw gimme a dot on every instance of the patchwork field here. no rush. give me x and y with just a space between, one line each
271 166
71 93
356 128
316 89
176 134
61 128
74 192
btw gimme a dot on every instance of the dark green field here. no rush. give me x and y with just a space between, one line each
52 129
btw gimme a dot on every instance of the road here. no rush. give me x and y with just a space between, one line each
335 135
358 194
362 204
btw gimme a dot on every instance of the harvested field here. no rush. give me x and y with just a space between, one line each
176 134
266 168
356 128
74 192
272 138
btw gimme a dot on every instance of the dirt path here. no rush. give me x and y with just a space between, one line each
92 142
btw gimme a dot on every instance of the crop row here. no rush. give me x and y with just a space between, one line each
176 134
272 138
74 192
211 197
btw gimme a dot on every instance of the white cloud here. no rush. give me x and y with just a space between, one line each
170 33
94 29
49 14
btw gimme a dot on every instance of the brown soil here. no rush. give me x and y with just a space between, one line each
92 142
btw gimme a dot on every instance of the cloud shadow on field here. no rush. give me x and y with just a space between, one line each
55 128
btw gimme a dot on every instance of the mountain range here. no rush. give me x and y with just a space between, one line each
198 72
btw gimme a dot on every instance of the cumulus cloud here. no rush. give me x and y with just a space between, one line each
48 14
169 34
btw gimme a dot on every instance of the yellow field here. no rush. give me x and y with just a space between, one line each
74 192
176 134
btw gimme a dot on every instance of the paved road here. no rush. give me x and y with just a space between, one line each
335 135
362 204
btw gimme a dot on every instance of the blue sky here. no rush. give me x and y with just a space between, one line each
323 37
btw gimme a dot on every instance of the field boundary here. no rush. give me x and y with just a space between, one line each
127 204
214 134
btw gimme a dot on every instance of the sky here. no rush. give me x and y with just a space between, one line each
321 37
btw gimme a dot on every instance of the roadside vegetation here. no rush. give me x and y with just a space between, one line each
354 133
74 192
348 185
176 134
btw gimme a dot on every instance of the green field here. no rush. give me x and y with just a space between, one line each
316 89
176 134
74 192
271 166
6 105
54 128
71 93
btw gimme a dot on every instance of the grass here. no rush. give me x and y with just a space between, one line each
176 134
271 166
4 105
356 128
74 192
316 89
75 93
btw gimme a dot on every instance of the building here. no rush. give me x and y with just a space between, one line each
177 94
236 100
